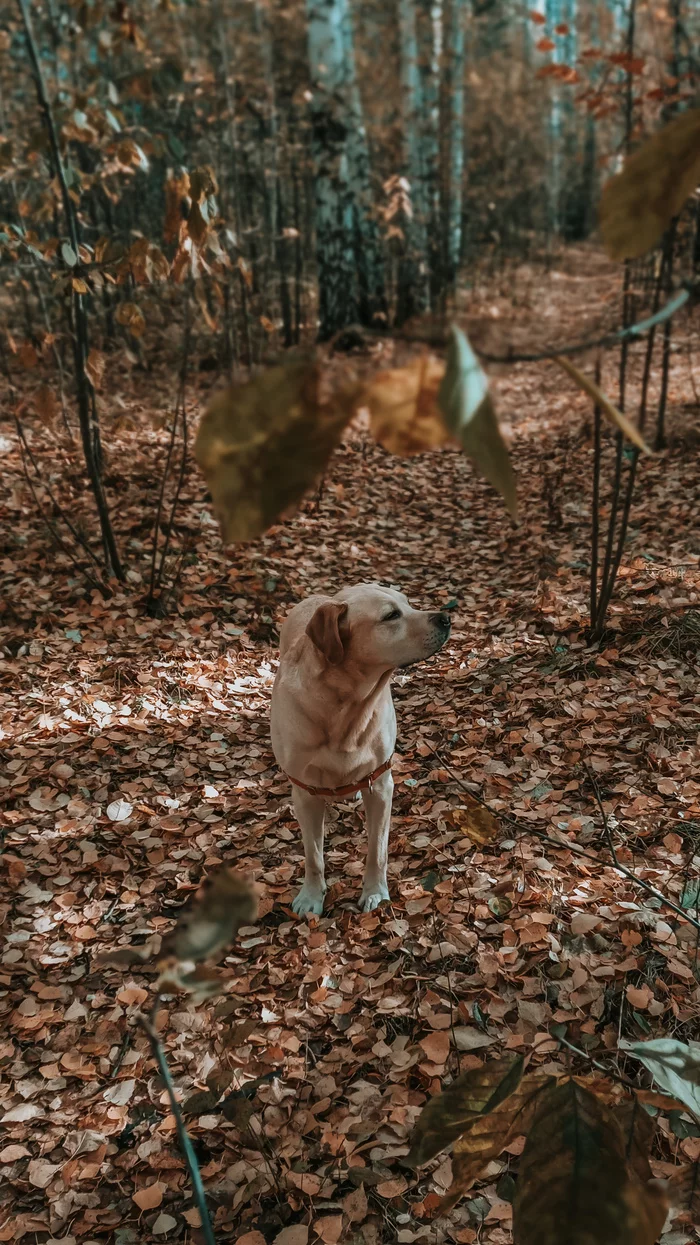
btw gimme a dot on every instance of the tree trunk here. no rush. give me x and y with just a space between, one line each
412 292
430 44
349 270
453 152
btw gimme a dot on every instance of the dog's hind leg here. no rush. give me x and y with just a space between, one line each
377 802
310 813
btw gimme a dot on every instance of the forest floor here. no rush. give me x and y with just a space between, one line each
348 1022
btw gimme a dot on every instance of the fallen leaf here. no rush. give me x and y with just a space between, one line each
20 1114
295 1234
329 1228
164 1224
120 1093
639 997
468 1037
391 1188
355 1204
436 1046
478 823
119 810
11 1153
40 1172
584 922
150 1196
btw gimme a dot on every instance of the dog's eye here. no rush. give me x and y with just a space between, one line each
392 616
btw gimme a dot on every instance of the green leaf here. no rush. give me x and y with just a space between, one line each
69 256
468 411
675 1066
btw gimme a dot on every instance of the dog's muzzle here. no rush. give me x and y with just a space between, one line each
442 623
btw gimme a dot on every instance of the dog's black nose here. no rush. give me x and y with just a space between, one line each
443 621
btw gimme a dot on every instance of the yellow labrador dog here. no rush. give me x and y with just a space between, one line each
333 721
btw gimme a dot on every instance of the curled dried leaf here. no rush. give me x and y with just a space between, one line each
224 902
402 403
478 823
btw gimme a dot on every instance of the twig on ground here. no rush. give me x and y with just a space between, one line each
600 1067
566 844
634 332
148 1025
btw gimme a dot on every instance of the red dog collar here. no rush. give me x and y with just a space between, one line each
334 793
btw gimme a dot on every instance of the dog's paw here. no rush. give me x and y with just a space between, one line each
309 900
372 897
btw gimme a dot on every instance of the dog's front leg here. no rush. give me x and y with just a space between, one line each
377 804
310 813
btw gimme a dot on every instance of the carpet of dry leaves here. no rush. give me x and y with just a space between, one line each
135 757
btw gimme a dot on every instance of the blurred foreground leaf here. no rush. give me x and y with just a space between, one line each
261 445
638 204
469 414
224 902
608 408
475 1093
486 1135
575 1184
675 1066
402 403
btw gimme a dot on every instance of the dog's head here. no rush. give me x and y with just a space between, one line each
375 628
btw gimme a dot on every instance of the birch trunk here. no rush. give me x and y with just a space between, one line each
455 19
412 293
349 266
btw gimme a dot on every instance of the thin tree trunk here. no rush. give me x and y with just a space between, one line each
412 293
455 19
430 43
87 411
369 258
330 125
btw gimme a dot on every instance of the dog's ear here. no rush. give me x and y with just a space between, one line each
324 630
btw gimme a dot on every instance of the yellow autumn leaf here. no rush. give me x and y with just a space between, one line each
478 823
402 404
